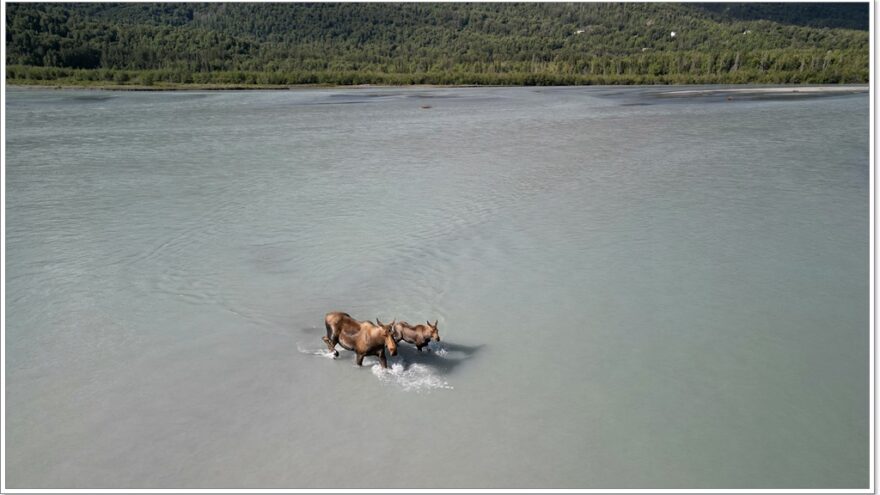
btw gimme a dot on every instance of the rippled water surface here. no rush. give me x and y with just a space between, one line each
631 291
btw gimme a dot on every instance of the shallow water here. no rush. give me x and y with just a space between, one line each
633 292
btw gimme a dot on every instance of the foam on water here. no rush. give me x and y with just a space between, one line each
315 352
411 378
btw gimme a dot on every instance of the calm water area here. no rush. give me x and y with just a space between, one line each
633 291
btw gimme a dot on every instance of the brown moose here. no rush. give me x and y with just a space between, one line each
365 338
419 335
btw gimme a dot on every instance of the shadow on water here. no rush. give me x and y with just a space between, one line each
449 357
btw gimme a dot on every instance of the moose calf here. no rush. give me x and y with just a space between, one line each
419 335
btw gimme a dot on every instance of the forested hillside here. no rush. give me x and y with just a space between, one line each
440 43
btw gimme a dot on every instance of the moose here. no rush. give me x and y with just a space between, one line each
419 335
365 338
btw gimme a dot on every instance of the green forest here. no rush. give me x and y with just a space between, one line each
279 44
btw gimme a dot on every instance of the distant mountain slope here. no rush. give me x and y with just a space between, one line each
511 43
837 15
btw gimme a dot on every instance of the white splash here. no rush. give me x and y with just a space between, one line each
316 352
437 349
411 378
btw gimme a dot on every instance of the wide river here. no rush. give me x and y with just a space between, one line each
633 291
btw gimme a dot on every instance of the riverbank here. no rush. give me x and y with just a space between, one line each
75 81
161 79
162 87
232 87
741 90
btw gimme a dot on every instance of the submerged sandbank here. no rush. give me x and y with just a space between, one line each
767 91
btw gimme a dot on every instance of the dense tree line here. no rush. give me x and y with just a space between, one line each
448 43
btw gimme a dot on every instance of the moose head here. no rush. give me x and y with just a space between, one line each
435 334
388 333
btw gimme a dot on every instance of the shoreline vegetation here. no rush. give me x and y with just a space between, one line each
267 46
158 80
674 91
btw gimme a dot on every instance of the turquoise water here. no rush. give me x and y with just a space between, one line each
633 291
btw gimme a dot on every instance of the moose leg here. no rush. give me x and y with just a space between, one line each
419 348
331 346
331 340
360 359
382 359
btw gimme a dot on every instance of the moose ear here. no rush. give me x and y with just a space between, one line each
435 323
393 322
428 322
379 322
